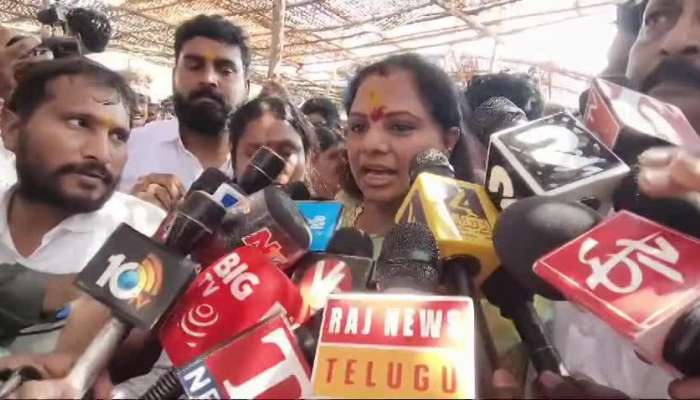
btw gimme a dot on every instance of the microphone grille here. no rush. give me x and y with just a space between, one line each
209 181
409 253
495 114
433 161
352 242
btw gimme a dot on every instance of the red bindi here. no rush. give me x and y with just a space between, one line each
377 114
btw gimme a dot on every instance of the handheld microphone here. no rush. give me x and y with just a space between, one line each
547 223
226 298
264 362
494 115
556 157
640 278
270 221
91 27
199 214
459 214
677 213
138 279
629 122
409 260
347 266
322 217
264 167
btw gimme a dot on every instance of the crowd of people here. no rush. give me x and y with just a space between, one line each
85 154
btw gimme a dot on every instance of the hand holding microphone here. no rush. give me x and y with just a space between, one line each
162 190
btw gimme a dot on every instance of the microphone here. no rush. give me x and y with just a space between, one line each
347 266
548 223
322 217
677 213
459 215
264 167
91 27
408 261
264 362
556 157
269 221
629 122
225 299
199 214
494 115
641 279
138 279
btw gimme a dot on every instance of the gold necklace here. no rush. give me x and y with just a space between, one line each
358 211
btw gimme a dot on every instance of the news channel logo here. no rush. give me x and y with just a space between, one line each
135 282
195 322
323 218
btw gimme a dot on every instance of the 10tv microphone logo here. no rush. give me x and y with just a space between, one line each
136 282
137 278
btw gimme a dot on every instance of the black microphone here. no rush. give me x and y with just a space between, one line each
264 167
199 214
534 227
547 224
346 265
556 156
269 220
91 27
677 213
409 260
494 115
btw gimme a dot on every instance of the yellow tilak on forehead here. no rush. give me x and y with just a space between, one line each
376 107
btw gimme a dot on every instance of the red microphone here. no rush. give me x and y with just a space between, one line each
264 362
640 278
226 298
630 122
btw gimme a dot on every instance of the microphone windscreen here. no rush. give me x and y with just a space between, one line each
285 212
432 161
209 181
351 242
409 255
264 167
531 228
92 26
298 191
678 214
495 114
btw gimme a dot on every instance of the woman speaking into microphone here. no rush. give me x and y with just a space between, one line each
396 108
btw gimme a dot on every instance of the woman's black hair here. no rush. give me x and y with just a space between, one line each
439 95
328 137
282 109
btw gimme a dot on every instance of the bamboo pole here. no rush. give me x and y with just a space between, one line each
277 40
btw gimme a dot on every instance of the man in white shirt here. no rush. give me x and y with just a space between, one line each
665 63
210 80
68 123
